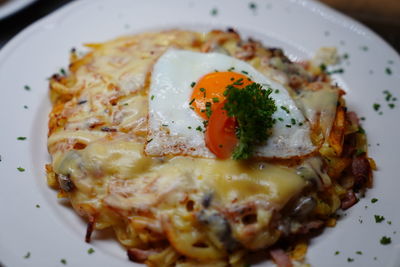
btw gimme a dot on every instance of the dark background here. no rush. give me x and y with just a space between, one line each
382 16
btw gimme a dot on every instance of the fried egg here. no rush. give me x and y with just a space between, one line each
176 115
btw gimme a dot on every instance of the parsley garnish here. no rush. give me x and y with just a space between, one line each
388 71
192 84
63 261
350 259
359 252
21 169
25 107
376 106
285 109
37 206
385 240
198 128
152 97
191 102
208 109
374 200
379 218
252 107
215 99
27 87
337 252
90 251
21 138
27 255
214 12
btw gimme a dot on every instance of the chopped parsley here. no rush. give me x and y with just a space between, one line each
335 71
231 68
152 97
27 87
214 12
191 102
63 261
21 138
208 109
376 106
364 48
252 6
27 255
391 105
37 206
198 128
20 169
192 84
285 109
63 72
253 108
350 259
189 127
276 91
90 251
322 67
359 252
379 218
337 252
374 200
385 240
25 107
215 99
244 72
293 121
388 71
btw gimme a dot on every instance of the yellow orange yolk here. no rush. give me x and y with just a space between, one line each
211 87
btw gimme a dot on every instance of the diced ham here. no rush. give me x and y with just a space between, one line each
281 258
349 200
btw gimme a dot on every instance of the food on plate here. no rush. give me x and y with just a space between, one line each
199 149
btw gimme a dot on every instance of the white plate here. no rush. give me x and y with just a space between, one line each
54 231
8 7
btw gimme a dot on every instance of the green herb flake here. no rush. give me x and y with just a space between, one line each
231 68
90 251
244 72
21 138
20 169
376 106
288 126
25 107
362 118
388 71
285 109
337 252
215 99
253 108
276 91
37 206
322 67
337 71
208 109
191 102
389 222
364 48
379 218
374 200
192 84
214 12
345 56
293 121
252 6
63 261
359 252
391 105
165 125
152 97
198 128
27 87
350 259
359 152
27 255
63 72
385 240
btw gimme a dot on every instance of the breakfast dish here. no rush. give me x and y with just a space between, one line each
200 148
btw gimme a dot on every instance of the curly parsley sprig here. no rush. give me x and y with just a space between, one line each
253 108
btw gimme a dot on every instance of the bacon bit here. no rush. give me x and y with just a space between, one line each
361 169
306 228
108 129
353 118
139 255
349 200
281 258
89 229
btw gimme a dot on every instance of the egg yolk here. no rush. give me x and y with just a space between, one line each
210 89
208 102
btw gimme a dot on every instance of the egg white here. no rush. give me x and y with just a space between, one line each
172 124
